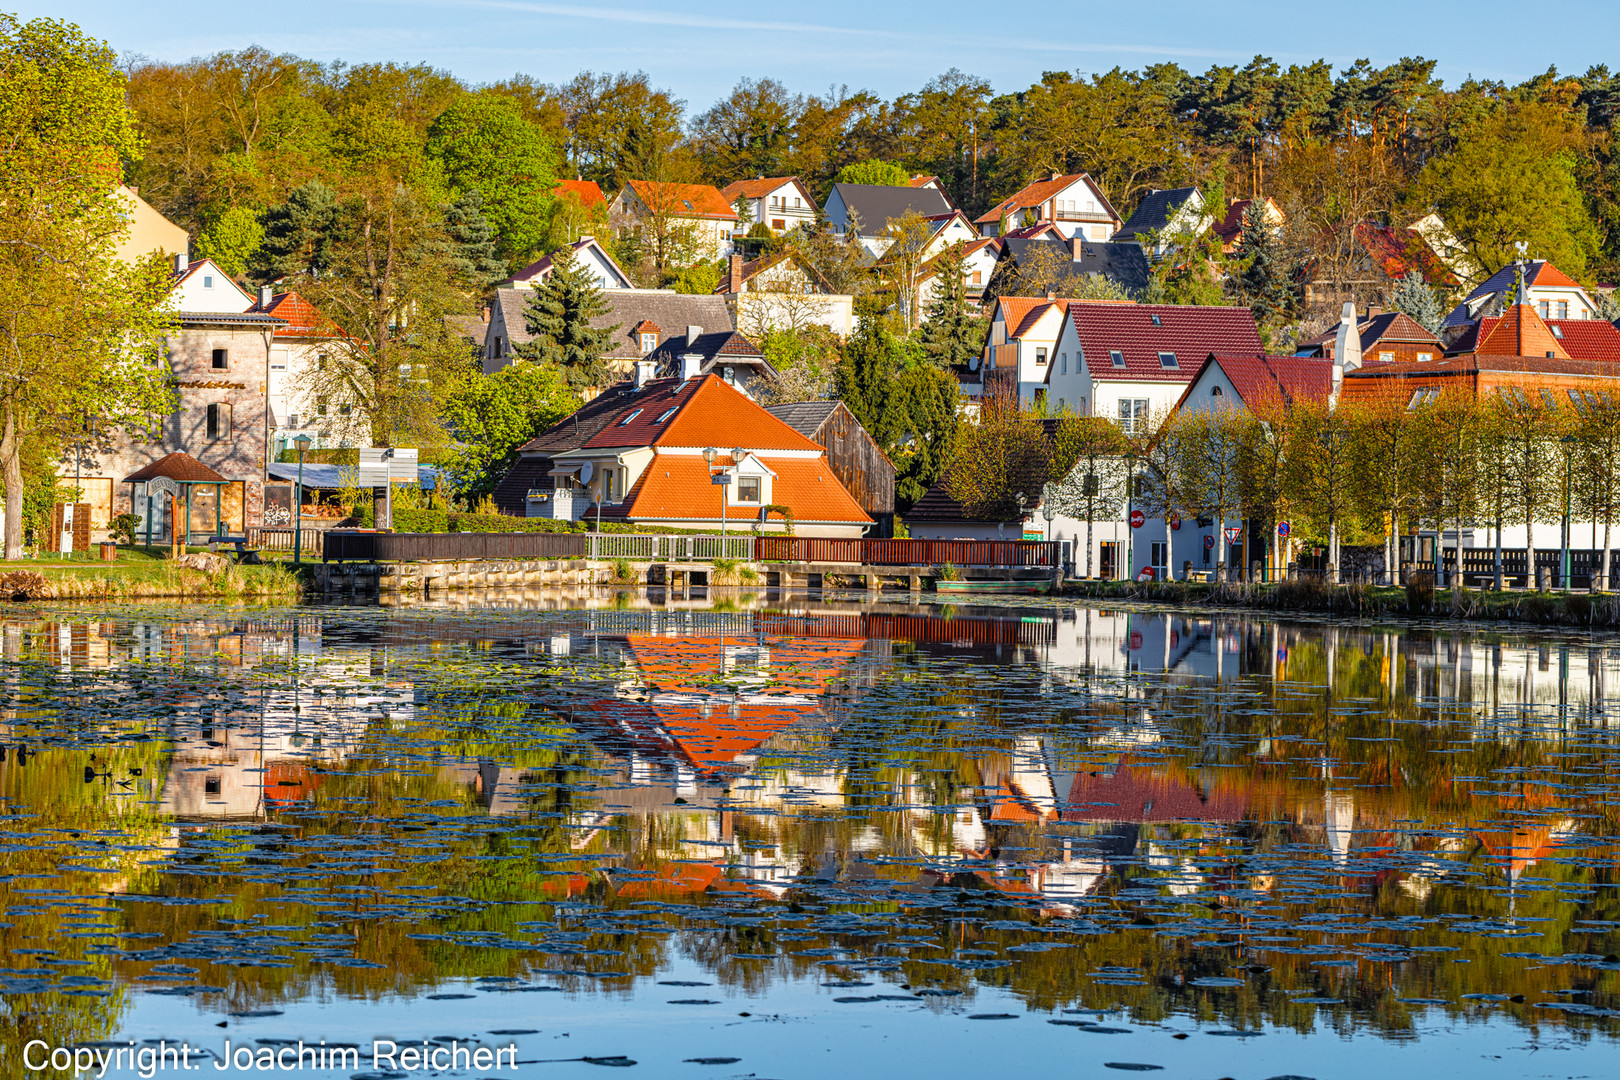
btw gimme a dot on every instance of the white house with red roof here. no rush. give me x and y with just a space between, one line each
644 463
778 202
709 215
1131 362
1073 203
302 345
1023 337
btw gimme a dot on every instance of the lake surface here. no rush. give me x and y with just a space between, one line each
799 838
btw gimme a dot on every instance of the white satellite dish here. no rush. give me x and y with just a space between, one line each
973 364
586 471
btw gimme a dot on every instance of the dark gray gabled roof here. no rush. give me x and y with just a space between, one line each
805 417
1154 212
877 205
672 312
1123 264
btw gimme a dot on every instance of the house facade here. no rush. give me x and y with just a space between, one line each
854 456
700 208
1021 345
779 203
867 209
587 252
1553 293
302 345
1161 216
643 319
783 292
1073 203
1385 336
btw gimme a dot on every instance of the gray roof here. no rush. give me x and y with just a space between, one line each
876 205
805 417
1154 212
1123 264
672 312
330 477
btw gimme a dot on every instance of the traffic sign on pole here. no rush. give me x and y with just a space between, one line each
1282 528
1138 519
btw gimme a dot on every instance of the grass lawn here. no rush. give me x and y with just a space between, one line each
148 573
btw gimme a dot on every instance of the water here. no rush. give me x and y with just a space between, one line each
790 838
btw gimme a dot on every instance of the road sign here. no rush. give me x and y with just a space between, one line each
1138 519
1233 532
1175 522
1209 541
1146 574
1282 528
720 478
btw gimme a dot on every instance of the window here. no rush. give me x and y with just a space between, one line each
221 360
1563 309
687 203
1063 363
292 421
219 421
1117 357
1040 399
649 342
1387 357
208 281
1513 395
748 488
1548 399
1579 401
345 409
1542 307
632 415
1558 332
1424 357
978 277
1040 357
278 360
320 406
1133 414
665 415
1216 391
1422 397
778 224
1099 232
1156 320
1168 360
320 361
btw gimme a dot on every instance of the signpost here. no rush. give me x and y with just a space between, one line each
1209 541
1282 528
1233 532
1138 519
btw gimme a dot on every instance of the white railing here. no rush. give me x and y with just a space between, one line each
671 548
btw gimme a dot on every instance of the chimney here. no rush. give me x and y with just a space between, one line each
1074 247
266 294
645 370
690 363
181 261
1374 312
692 334
734 274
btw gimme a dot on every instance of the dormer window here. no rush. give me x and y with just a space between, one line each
631 416
649 342
1117 357
1168 360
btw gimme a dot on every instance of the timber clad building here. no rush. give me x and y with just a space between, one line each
859 463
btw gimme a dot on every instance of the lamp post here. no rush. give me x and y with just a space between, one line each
302 443
709 454
737 455
1569 455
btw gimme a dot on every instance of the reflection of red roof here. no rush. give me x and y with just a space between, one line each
1135 794
288 782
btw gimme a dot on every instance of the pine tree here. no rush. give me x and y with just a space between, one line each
298 234
470 243
559 317
1265 284
952 334
1417 300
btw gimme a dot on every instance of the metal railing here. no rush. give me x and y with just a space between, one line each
270 538
1038 553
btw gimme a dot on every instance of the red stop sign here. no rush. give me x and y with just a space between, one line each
1138 519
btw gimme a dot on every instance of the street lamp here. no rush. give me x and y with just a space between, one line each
709 454
302 442
1569 455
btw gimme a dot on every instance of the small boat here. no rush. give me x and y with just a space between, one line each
1023 588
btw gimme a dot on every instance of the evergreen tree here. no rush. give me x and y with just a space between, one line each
865 374
1266 282
1417 300
298 234
560 315
470 243
952 334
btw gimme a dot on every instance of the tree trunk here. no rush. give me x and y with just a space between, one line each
11 462
1333 552
1090 513
1604 555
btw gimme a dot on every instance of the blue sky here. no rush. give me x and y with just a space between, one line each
700 50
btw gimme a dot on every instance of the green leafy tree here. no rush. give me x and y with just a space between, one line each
953 333
1413 296
484 144
804 359
232 241
80 332
699 279
492 416
924 416
470 243
877 173
560 317
298 235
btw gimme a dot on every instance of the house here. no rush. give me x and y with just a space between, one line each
586 191
938 516
978 263
867 209
1581 339
1230 227
1023 337
1385 336
1554 293
783 292
1450 250
1249 381
301 345
652 204
1131 362
1382 255
643 318
149 231
855 458
219 356
639 458
724 352
1124 264
1073 203
1162 215
778 202
589 253
932 183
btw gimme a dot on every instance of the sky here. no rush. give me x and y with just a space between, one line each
700 50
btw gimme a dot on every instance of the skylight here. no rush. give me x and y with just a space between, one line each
633 414
1167 360
665 415
1558 331
1117 357
1156 320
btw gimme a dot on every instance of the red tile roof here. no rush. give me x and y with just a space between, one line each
1033 316
684 200
1038 193
1400 251
675 487
1192 333
759 187
1230 227
176 466
1549 276
589 194
709 412
304 319
1581 339
1275 379
1520 332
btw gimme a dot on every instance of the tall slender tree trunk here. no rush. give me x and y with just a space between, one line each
1605 555
11 462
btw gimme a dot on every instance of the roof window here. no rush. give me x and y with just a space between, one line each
1168 360
687 203
1558 331
665 415
1156 320
632 415
1117 357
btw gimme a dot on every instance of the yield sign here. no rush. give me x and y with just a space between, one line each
1233 532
